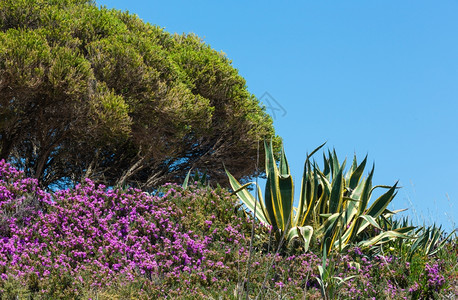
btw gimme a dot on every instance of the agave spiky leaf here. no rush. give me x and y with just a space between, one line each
356 174
248 199
303 233
185 182
309 191
337 189
385 237
200 180
279 194
379 206
429 240
330 228
277 208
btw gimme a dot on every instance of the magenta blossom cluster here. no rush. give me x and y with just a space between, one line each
434 276
92 229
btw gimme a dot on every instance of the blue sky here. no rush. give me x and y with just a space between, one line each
369 77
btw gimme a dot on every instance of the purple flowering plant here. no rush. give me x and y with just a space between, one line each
103 233
92 241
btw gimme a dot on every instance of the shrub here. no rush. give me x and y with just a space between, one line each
89 236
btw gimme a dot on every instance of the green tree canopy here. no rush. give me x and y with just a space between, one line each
92 92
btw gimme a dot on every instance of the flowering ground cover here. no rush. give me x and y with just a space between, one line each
93 242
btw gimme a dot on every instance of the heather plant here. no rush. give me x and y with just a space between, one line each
449 256
18 198
93 242
88 236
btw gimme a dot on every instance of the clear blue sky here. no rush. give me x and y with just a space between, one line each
369 77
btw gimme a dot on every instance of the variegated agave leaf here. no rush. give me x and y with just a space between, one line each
248 199
276 209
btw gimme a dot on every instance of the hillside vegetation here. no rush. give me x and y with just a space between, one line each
126 154
91 242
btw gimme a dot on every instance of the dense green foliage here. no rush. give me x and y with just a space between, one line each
98 93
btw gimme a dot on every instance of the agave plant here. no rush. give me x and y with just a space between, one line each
200 180
332 205
426 240
344 202
429 240
276 208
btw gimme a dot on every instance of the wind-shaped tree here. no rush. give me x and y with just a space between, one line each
92 92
